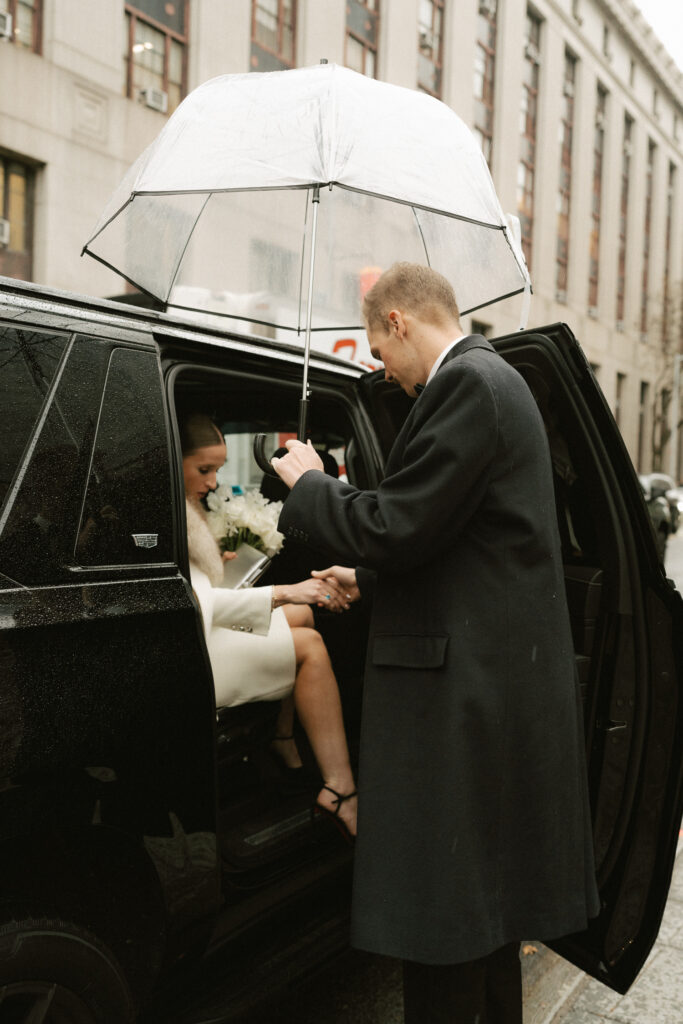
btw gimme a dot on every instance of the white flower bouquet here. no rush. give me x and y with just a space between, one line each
247 524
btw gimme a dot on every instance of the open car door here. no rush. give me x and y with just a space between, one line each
627 624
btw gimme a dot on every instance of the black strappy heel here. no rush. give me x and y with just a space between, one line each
318 809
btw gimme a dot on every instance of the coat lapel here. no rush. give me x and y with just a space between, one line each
468 343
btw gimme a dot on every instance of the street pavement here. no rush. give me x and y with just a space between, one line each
363 989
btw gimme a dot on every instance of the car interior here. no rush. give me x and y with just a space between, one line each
265 821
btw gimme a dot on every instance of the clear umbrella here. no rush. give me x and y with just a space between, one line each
269 198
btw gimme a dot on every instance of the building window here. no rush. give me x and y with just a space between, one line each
606 51
623 218
26 22
596 208
16 212
484 74
273 35
527 130
619 398
632 73
362 34
647 227
642 421
565 186
430 46
655 102
576 12
155 56
670 201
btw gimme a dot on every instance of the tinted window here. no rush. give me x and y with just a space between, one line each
127 512
28 361
38 539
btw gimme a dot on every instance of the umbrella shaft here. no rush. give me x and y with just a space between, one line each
303 404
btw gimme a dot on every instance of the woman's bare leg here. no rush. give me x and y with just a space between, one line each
299 614
318 705
284 743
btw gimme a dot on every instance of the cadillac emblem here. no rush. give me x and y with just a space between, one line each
145 540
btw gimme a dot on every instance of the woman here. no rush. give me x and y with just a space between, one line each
261 641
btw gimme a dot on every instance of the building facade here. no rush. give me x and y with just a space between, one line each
577 106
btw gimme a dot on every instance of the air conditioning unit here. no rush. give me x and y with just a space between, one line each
531 53
568 89
156 99
426 40
5 25
599 119
628 147
4 232
561 295
620 326
593 312
488 8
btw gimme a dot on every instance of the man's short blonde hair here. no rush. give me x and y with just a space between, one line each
409 286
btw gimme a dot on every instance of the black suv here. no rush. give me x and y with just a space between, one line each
152 863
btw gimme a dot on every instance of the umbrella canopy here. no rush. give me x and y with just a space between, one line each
217 212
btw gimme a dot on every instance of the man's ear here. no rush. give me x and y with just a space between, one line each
397 324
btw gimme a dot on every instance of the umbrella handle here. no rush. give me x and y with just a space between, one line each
260 455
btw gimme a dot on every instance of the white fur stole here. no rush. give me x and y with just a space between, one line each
201 544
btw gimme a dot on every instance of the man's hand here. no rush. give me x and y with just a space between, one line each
298 460
344 578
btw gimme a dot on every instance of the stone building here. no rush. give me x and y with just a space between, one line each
577 105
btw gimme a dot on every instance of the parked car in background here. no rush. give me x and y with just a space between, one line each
659 510
153 866
662 485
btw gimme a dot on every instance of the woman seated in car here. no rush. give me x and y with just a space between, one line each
261 641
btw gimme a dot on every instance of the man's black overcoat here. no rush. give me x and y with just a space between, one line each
473 818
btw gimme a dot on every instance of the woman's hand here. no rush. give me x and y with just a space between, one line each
228 556
325 593
344 578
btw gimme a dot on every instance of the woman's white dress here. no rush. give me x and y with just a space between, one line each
250 647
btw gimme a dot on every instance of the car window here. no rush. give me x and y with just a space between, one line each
28 362
38 538
127 516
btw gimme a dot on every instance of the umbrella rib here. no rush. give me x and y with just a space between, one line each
490 302
128 201
419 228
184 249
421 206
110 266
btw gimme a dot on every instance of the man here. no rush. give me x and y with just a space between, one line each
473 824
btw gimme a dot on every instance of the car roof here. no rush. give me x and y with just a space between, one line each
132 315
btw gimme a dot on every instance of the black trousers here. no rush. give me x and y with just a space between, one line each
485 991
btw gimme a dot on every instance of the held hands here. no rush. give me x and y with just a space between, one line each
298 460
324 593
344 579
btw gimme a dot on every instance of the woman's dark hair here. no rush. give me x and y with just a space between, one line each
197 430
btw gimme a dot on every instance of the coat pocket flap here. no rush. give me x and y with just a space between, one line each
409 650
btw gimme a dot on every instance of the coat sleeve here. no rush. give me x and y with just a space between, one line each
247 610
442 477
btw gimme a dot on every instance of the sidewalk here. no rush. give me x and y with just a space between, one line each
565 995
